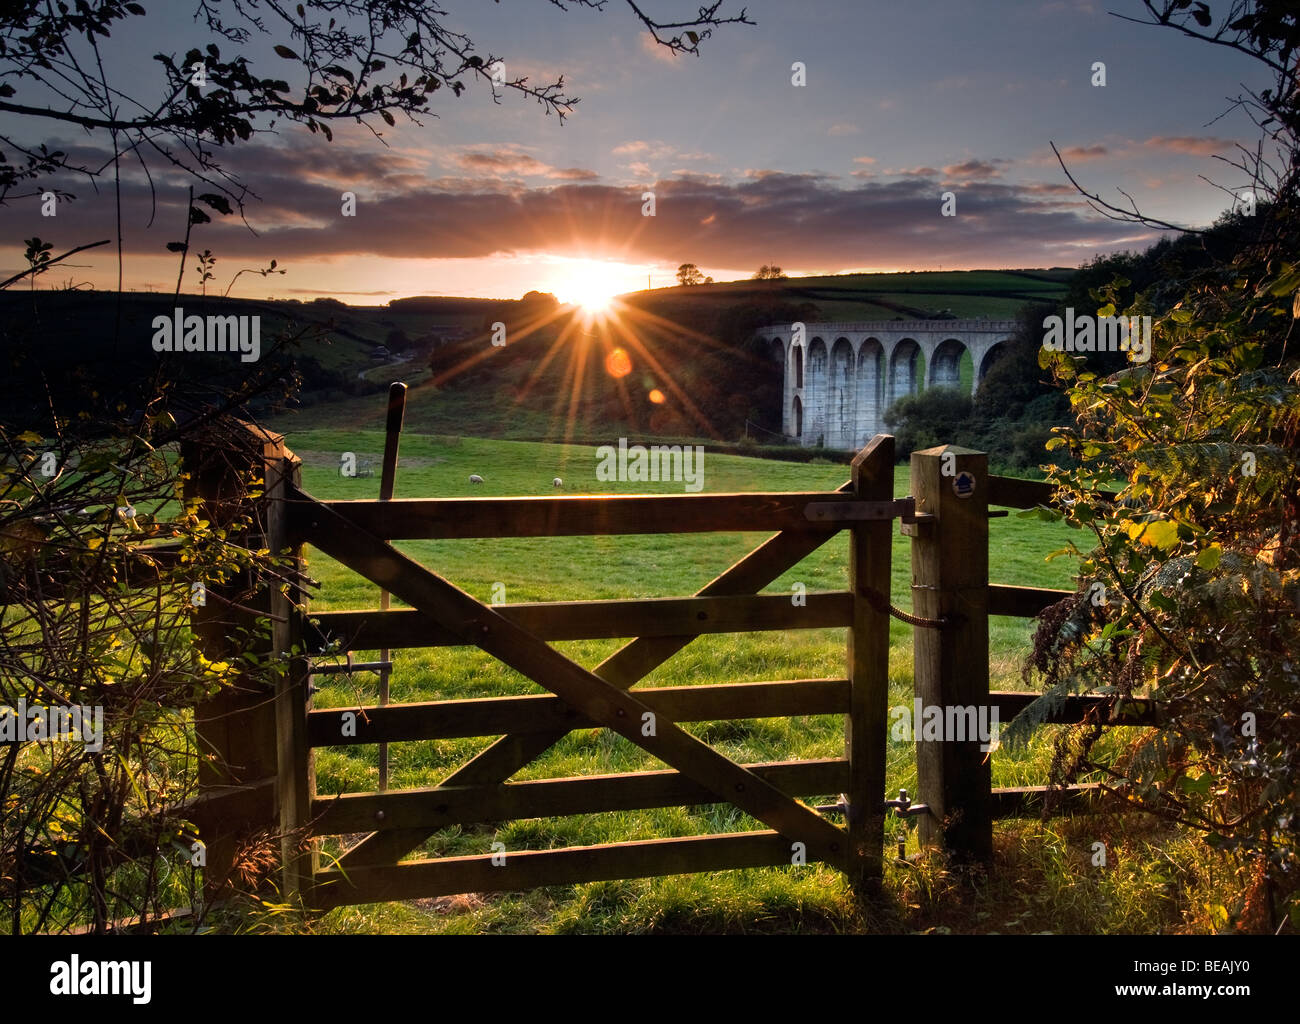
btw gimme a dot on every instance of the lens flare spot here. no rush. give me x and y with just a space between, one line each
617 363
656 396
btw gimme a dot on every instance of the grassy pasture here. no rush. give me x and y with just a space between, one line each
997 294
947 281
606 567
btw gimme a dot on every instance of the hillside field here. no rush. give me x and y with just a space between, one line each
544 384
531 390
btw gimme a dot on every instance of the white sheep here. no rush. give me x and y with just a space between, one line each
474 478
557 482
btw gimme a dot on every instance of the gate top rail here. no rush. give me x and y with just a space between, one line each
459 518
1013 492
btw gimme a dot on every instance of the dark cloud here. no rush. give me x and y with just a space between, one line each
509 161
1085 152
976 169
1198 145
502 162
809 219
1050 188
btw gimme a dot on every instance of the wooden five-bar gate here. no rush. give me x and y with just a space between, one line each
258 768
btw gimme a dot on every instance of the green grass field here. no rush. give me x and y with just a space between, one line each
812 898
996 294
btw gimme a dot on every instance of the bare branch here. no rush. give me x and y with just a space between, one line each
40 268
1132 216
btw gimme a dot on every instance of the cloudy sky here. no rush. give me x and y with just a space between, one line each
902 102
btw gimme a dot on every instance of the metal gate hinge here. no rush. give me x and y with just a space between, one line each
904 807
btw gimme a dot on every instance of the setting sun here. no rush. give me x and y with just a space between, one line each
592 284
592 296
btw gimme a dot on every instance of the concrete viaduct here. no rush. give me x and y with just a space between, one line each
839 378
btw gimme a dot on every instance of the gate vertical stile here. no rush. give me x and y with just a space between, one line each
865 727
295 762
387 483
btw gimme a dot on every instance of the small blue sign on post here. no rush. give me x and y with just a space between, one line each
963 484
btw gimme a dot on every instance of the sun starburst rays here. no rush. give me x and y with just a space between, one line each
606 346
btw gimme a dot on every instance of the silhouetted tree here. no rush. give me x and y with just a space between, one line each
688 274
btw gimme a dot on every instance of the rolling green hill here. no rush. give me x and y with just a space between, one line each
690 344
694 351
913 295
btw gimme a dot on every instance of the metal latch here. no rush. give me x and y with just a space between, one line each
841 806
858 511
333 668
350 667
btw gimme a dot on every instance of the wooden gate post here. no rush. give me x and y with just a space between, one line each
870 547
244 781
950 577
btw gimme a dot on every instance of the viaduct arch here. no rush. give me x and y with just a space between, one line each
839 378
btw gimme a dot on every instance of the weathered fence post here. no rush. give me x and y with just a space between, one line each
245 783
235 730
870 547
950 569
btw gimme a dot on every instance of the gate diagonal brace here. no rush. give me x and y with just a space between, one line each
481 626
624 669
